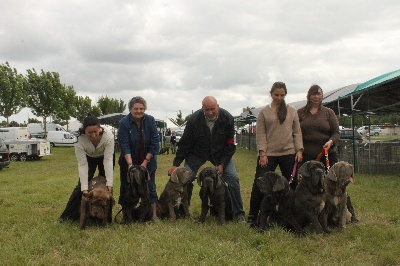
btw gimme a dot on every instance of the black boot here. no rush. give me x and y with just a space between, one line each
354 219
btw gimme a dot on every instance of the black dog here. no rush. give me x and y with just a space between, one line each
164 150
310 196
136 205
175 195
97 204
214 196
277 206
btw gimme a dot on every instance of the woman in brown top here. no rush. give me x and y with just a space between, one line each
320 130
319 126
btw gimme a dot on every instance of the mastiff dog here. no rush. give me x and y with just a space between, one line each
175 195
136 205
278 204
339 176
214 196
97 204
310 196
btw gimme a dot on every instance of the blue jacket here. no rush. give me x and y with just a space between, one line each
128 138
198 145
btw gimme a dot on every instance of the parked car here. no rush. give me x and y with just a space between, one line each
74 132
4 155
373 130
350 134
178 134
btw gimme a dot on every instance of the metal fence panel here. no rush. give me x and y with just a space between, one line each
372 158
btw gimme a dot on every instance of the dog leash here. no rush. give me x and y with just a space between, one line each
325 153
293 173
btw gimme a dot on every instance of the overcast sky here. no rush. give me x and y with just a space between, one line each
174 53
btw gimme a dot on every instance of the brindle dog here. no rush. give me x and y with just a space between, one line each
339 176
97 204
175 194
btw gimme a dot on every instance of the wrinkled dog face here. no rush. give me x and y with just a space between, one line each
98 202
313 173
341 173
137 178
273 186
180 177
209 180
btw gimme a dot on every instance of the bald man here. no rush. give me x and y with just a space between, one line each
209 136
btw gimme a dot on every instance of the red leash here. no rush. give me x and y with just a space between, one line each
326 153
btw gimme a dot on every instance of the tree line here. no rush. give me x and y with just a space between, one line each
44 94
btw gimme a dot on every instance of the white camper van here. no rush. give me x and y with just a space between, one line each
39 128
61 138
14 133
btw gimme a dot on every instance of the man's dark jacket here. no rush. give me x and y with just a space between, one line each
197 144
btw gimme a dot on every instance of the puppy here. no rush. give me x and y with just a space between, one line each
277 206
310 196
339 176
164 150
136 206
97 204
214 196
175 194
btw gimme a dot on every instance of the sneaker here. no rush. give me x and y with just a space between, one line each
155 219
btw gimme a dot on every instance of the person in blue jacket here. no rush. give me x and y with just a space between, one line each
139 141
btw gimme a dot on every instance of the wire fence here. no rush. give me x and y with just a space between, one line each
380 157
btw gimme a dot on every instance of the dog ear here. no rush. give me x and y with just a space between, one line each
200 178
304 170
174 176
279 184
332 174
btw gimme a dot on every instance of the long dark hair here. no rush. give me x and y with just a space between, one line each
314 89
282 109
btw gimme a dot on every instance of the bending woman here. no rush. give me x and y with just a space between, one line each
94 149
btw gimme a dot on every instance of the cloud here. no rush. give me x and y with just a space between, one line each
174 53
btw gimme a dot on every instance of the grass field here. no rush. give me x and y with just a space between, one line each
33 195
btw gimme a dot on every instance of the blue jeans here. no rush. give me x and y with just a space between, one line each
231 177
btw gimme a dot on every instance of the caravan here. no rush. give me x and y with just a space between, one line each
30 149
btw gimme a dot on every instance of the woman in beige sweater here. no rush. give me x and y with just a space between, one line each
279 142
94 149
